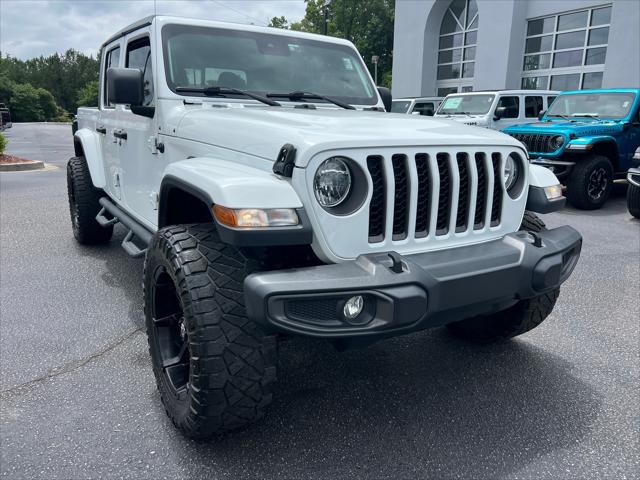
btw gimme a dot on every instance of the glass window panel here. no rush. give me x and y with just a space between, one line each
467 88
450 56
449 24
470 53
550 100
601 16
570 40
571 58
539 44
599 36
537 62
474 24
451 41
424 109
472 10
572 20
532 106
565 82
535 83
596 56
470 38
467 69
458 8
592 80
443 92
448 71
511 106
542 25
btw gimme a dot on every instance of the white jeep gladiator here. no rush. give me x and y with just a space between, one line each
255 171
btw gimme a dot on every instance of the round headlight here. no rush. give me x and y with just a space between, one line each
557 141
511 172
332 182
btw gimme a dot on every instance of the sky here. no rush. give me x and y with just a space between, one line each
32 28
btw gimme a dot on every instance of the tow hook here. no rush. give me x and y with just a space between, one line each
537 241
396 266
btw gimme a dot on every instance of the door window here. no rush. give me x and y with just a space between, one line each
512 106
532 106
112 59
424 108
139 56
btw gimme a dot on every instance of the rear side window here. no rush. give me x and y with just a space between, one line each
139 56
424 108
550 100
511 105
111 60
532 106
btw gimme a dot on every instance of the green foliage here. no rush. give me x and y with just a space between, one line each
88 95
3 143
367 23
30 104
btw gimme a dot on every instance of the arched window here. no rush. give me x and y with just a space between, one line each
457 47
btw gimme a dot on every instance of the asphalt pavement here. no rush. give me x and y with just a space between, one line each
78 399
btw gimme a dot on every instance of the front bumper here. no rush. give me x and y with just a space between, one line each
431 289
560 168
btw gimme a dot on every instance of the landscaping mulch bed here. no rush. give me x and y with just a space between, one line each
11 163
4 158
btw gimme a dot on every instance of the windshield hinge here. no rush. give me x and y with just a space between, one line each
286 161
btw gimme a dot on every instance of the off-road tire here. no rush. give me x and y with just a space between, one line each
515 320
633 200
580 177
83 204
232 361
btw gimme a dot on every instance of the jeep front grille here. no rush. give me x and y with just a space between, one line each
433 194
536 142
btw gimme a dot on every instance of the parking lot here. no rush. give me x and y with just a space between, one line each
79 399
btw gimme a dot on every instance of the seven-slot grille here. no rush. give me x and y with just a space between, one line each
433 194
536 142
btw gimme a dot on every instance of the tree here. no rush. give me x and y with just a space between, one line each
367 23
88 95
25 104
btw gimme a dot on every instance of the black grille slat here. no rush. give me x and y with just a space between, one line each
401 197
496 207
536 142
464 195
377 204
481 197
444 199
424 195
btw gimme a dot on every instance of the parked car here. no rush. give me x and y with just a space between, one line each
263 209
5 117
495 109
633 191
587 138
416 106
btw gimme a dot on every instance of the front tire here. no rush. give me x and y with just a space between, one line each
520 318
590 182
214 367
633 200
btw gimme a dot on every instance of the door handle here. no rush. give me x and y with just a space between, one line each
102 130
121 134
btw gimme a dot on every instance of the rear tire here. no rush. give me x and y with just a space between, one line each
84 205
520 318
590 182
214 367
633 200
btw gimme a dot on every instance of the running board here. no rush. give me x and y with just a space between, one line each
136 230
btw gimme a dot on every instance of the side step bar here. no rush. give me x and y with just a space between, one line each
135 229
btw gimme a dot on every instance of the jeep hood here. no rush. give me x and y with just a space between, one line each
262 131
580 128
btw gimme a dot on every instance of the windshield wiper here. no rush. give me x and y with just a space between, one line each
310 95
561 116
223 91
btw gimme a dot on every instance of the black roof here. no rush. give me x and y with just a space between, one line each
144 22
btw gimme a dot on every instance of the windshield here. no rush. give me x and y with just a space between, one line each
200 57
400 106
466 104
607 105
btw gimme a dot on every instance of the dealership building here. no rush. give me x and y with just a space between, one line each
445 46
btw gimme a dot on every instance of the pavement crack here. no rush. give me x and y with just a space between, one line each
67 367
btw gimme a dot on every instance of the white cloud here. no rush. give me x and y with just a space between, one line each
32 28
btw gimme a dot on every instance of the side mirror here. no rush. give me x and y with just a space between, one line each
124 86
499 113
541 114
385 95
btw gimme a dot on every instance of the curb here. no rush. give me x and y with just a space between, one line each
21 167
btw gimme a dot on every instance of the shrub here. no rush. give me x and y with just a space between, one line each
3 143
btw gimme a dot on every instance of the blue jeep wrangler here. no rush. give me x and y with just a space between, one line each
587 138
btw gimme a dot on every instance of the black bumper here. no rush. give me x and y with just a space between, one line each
432 288
560 168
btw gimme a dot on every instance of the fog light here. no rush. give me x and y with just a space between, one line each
353 307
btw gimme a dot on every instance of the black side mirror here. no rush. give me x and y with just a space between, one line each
385 95
124 86
541 114
499 113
